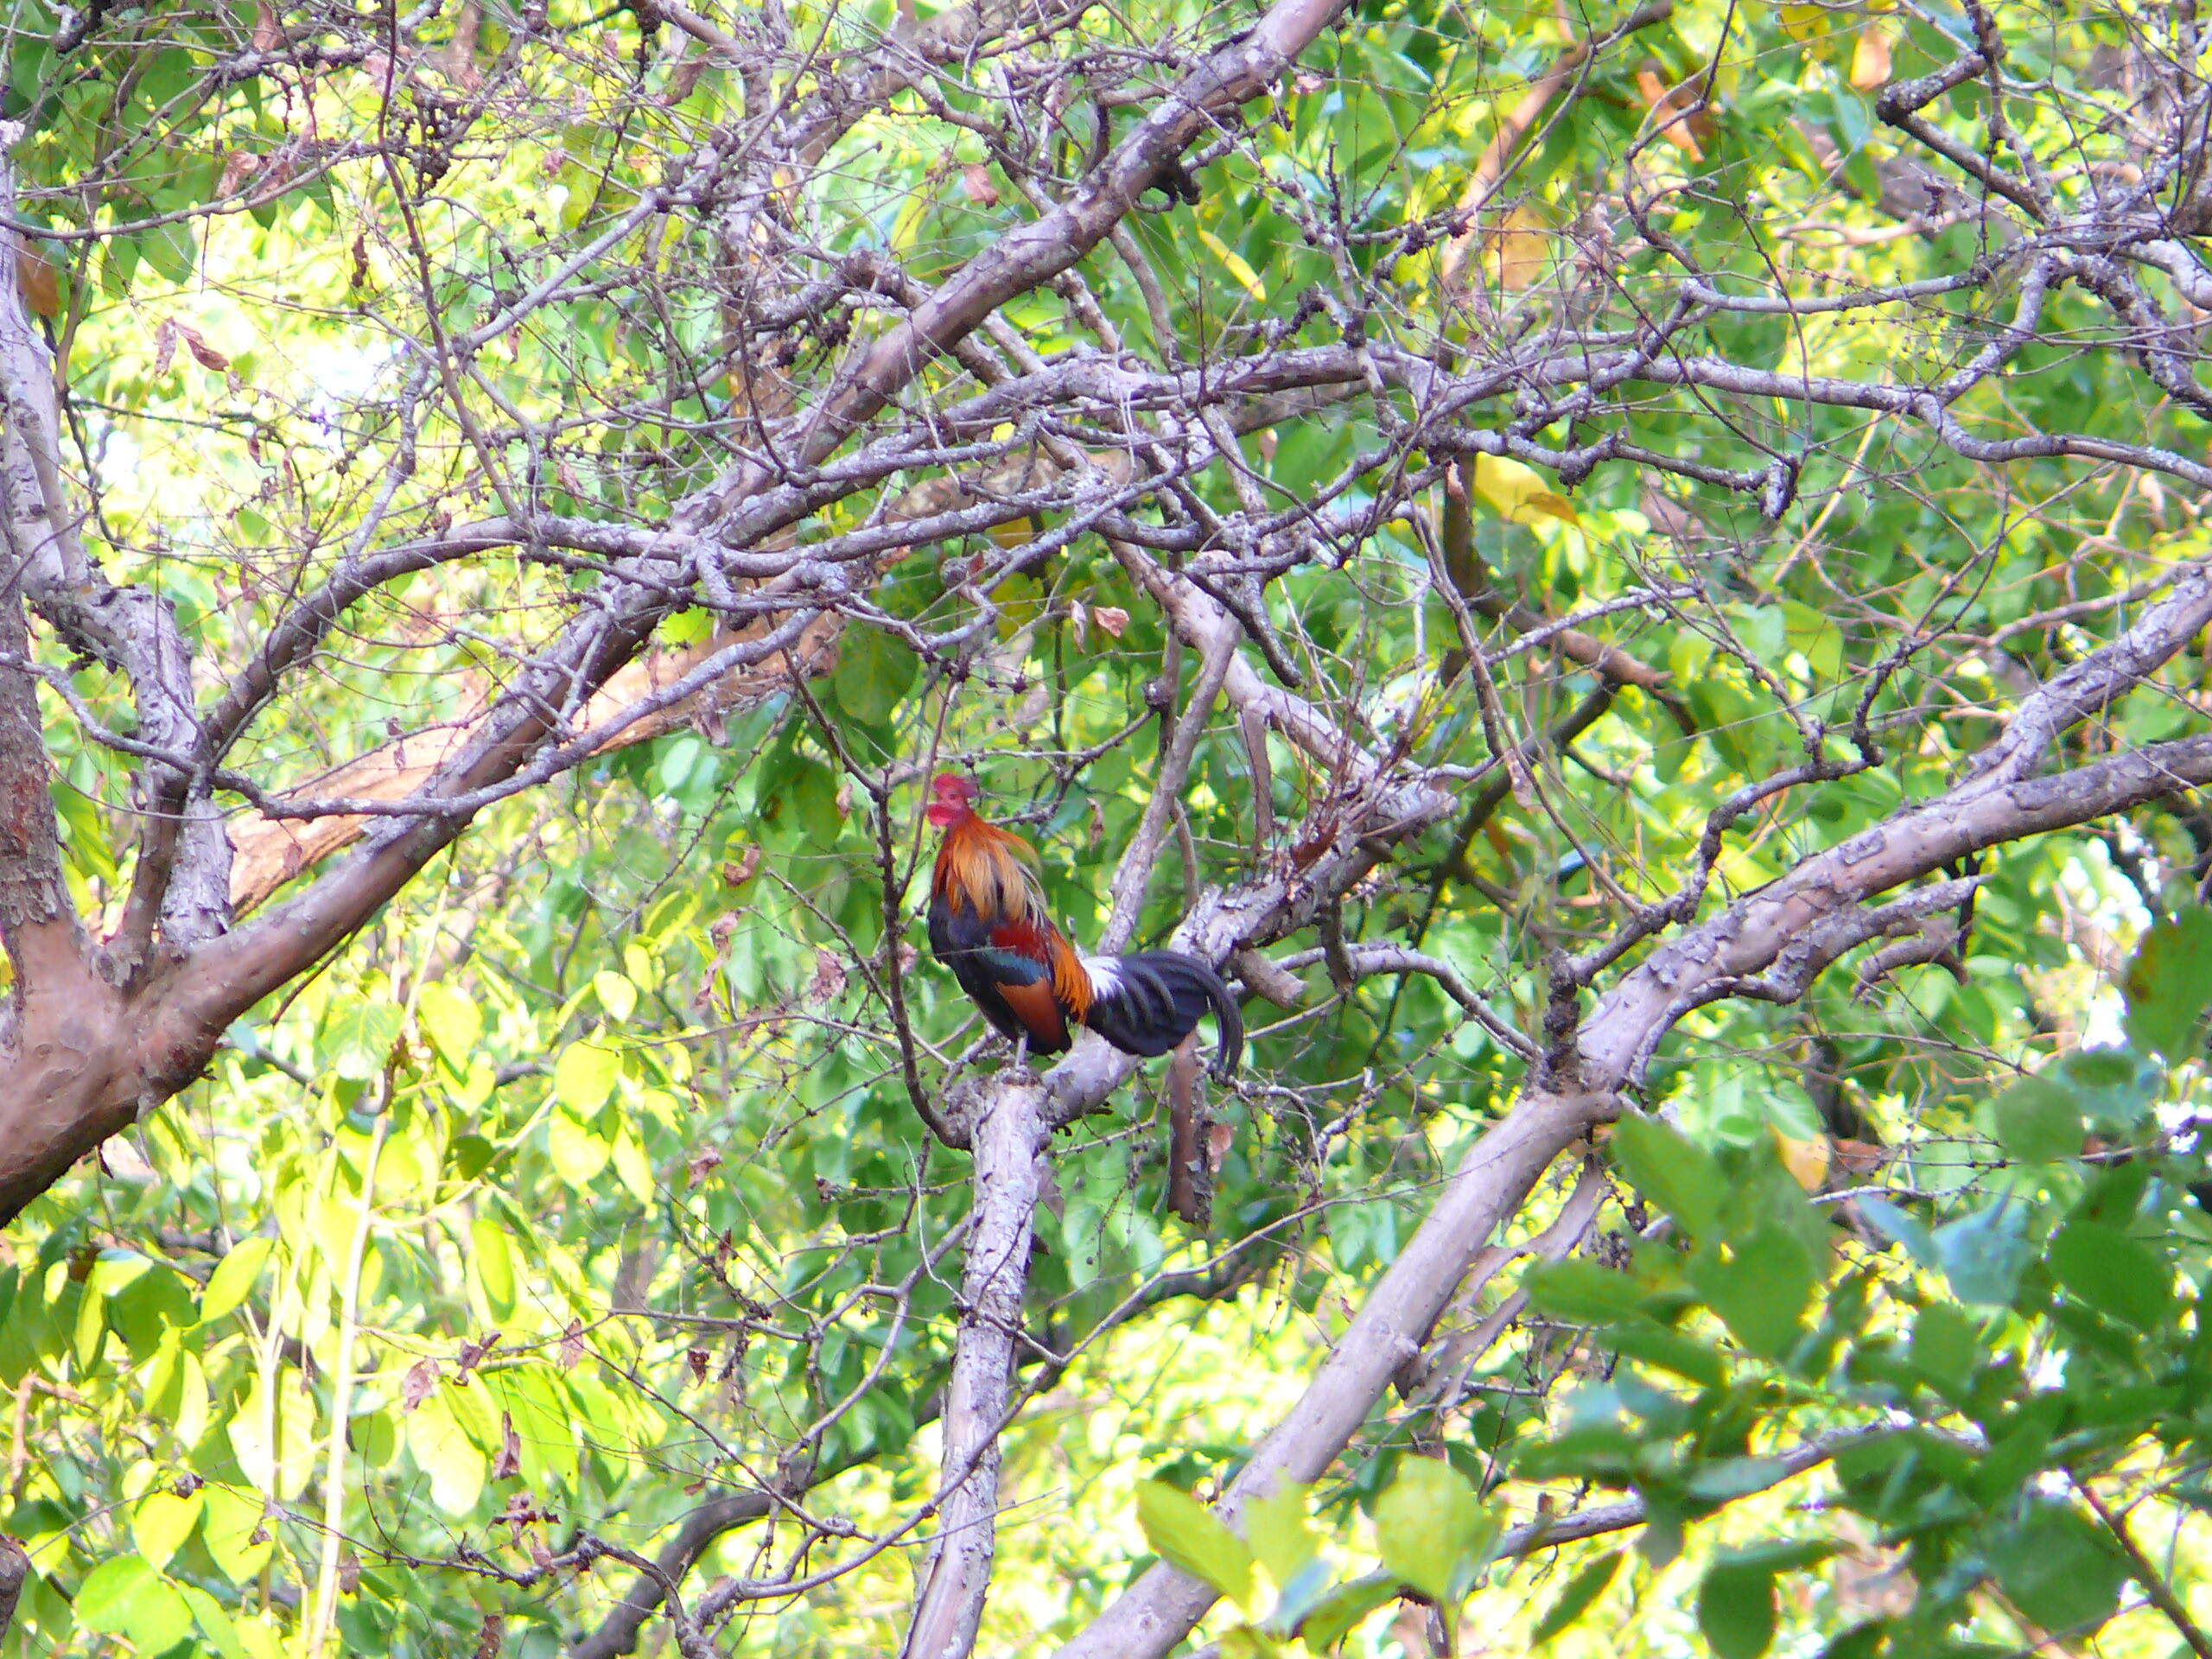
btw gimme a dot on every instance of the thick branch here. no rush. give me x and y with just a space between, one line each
182 879
1007 1138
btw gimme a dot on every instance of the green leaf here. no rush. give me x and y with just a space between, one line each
234 1277
234 1516
2056 1567
578 1152
107 1588
873 672
1735 1477
2037 1122
1336 1614
1275 1527
1655 1344
2114 1273
632 1167
1431 1530
615 994
119 264
221 1630
584 1075
2168 985
272 1434
444 1451
492 1262
1759 1289
150 1305
125 1596
450 1020
1582 1292
358 1037
677 761
1735 1610
162 1522
1944 1345
172 250
1680 1177
1185 1532
1906 1230
1985 1254
2116 1088
1583 1588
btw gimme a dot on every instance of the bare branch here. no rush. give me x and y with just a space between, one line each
1009 1139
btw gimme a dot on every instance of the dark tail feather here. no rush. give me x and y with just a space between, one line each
1156 1000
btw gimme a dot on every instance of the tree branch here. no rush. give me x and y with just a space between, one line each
1008 1140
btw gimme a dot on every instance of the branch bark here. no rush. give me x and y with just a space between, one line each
1008 1140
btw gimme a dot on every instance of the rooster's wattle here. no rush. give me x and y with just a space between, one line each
989 924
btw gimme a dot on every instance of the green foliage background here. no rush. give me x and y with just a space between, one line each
583 1187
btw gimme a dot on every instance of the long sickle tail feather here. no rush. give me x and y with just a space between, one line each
1147 1003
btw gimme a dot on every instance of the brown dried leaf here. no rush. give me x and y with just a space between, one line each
37 280
1668 107
828 978
1220 1137
238 166
458 60
572 1345
1869 58
684 81
508 1464
1112 618
203 353
268 34
975 180
472 1355
164 347
421 1377
702 1163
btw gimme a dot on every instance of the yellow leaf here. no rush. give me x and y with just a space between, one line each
1806 1160
1516 253
1233 262
1519 492
1804 23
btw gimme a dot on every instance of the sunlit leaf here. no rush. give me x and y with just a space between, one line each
1182 1530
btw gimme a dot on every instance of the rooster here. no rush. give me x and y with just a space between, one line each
988 923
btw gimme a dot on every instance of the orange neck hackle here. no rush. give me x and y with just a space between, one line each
993 873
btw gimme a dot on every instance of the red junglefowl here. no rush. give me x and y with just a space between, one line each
988 923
